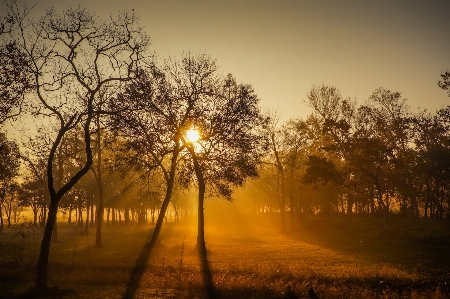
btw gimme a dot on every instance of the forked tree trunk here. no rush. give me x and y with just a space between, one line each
165 204
55 197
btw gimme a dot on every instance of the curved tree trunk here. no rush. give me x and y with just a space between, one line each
42 265
165 204
55 196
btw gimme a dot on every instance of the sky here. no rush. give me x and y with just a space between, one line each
282 48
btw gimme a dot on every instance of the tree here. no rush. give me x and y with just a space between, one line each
72 56
157 110
330 129
31 194
16 78
432 143
295 140
9 199
381 134
274 134
9 168
230 144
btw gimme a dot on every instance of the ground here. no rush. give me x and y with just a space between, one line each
337 256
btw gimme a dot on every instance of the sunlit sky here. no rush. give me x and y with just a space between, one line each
282 47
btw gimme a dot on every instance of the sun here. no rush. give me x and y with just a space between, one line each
192 135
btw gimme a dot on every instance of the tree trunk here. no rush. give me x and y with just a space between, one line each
1 218
166 201
291 193
100 210
283 200
127 215
8 217
350 201
44 213
35 213
55 230
42 264
87 217
92 215
201 200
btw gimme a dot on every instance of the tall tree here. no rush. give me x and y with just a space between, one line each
71 57
230 142
158 109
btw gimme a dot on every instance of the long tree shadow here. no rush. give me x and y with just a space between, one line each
210 291
139 268
141 265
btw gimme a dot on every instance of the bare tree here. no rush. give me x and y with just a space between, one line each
71 57
9 168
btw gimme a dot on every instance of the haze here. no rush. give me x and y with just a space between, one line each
282 48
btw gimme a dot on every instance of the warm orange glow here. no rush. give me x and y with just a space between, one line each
192 135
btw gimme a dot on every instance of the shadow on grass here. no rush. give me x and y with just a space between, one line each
210 291
141 265
406 243
139 268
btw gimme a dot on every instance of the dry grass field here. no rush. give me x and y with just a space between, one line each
339 257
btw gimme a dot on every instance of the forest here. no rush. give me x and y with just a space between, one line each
122 138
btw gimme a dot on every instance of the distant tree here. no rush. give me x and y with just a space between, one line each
330 130
72 56
31 194
34 156
295 134
382 133
16 77
9 199
9 168
432 141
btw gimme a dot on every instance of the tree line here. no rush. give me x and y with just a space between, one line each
375 158
115 123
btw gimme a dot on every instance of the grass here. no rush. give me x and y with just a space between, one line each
339 257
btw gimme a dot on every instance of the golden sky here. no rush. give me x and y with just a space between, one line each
283 47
